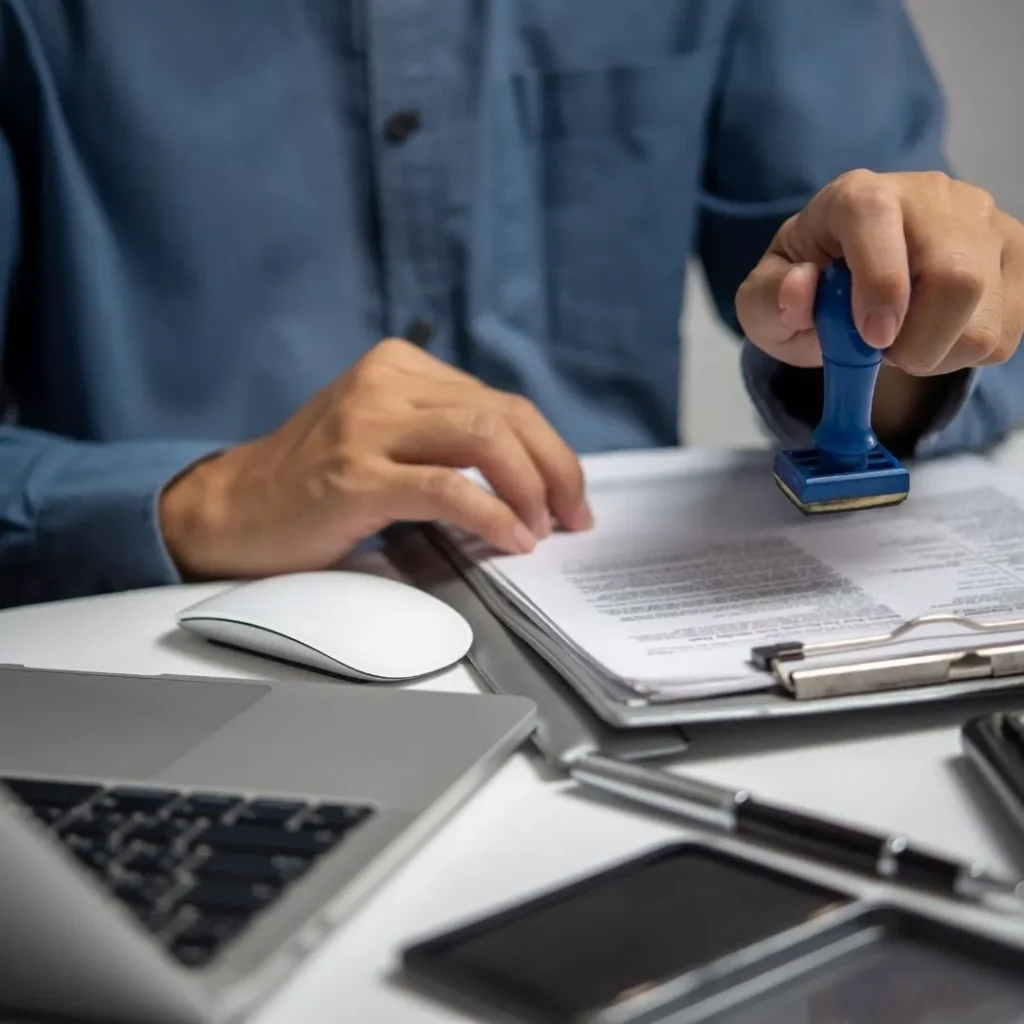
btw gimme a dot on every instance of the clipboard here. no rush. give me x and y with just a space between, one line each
811 680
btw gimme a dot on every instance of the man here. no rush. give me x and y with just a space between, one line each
273 270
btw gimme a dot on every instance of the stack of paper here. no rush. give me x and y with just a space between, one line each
695 558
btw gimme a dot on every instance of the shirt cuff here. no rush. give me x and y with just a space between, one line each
97 513
939 436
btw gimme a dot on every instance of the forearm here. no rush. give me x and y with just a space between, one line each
79 519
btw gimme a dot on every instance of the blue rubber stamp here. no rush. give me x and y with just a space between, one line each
847 468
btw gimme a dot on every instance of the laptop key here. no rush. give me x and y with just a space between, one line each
192 955
231 895
56 794
48 814
263 839
100 826
270 812
93 857
252 866
135 800
338 816
327 837
143 892
155 920
144 861
211 930
162 833
289 868
208 805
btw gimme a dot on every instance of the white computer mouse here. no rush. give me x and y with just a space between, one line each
350 623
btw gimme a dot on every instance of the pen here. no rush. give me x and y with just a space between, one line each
888 857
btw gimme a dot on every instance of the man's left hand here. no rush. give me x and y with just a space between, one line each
937 268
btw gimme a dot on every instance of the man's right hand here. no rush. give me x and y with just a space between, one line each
384 443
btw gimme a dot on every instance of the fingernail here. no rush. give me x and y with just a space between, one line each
542 527
522 540
880 328
584 517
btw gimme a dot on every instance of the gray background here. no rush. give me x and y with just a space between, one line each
977 49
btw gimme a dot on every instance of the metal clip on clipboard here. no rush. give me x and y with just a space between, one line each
794 664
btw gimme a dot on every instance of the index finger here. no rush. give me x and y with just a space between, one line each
558 464
860 217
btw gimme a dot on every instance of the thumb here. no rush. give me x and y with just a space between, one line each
775 308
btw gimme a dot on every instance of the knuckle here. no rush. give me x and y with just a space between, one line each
443 486
964 197
981 338
392 348
864 193
956 272
855 177
915 364
366 372
744 297
519 408
985 203
379 360
1004 351
481 426
1012 231
936 179
787 226
967 197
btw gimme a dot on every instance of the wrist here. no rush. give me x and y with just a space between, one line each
903 410
905 407
192 516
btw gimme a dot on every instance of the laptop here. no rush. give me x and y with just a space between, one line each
172 847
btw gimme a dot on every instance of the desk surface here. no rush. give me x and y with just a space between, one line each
523 832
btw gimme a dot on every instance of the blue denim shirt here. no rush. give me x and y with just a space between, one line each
210 210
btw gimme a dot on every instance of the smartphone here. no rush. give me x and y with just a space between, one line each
994 743
590 949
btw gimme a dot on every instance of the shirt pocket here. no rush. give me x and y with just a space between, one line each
618 155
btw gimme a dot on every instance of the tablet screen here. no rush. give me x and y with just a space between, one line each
638 925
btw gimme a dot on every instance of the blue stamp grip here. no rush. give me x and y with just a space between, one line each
850 368
847 468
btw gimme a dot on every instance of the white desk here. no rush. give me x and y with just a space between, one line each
521 832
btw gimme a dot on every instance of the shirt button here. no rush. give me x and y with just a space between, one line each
401 125
419 332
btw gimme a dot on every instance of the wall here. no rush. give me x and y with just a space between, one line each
975 47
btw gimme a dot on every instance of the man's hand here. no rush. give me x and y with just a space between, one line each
382 444
938 282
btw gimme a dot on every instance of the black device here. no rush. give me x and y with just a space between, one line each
994 744
689 932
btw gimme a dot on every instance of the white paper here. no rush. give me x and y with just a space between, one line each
694 559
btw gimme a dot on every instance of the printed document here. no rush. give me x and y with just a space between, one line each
695 558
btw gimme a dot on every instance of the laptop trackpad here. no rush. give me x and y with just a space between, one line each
98 725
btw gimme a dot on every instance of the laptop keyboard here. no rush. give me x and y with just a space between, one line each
194 867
